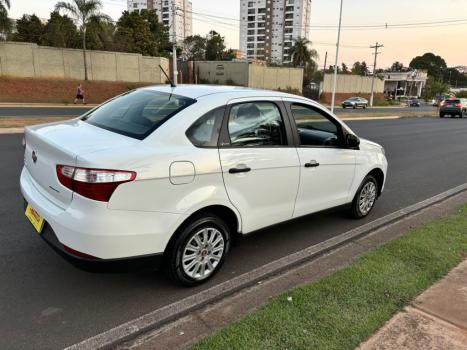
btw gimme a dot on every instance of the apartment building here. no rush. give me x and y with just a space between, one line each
268 28
183 25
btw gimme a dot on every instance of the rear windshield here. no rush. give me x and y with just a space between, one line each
453 101
137 113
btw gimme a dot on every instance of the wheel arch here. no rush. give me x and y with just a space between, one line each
231 218
378 174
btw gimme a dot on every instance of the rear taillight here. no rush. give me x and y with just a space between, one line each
458 104
96 184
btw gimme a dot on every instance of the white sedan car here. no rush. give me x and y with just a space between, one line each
171 175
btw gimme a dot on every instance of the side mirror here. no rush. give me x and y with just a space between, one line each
352 141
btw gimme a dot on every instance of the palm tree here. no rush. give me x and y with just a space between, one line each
83 12
301 53
5 23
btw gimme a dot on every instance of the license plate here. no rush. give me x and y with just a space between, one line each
36 220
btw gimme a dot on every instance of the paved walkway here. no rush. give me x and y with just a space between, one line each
436 320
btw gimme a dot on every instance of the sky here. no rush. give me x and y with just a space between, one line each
400 44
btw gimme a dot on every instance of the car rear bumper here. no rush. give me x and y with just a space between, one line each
455 110
147 262
91 228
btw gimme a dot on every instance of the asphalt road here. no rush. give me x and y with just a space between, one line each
77 111
45 303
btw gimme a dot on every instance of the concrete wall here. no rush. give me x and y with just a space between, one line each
251 75
215 72
274 78
25 60
347 83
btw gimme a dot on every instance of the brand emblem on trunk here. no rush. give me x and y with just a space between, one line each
34 156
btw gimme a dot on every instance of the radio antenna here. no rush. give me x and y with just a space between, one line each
168 78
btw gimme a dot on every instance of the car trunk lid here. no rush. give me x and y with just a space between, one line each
61 143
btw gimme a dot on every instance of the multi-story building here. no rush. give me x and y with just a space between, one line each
164 9
268 28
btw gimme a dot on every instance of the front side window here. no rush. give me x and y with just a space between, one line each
205 131
138 113
314 128
256 124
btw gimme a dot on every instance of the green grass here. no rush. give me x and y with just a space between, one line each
342 310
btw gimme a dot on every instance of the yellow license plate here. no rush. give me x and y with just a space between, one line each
36 220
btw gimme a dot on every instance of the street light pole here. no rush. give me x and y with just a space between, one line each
334 85
174 48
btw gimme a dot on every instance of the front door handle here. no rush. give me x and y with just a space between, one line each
239 170
312 164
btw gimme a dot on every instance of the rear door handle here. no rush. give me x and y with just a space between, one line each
239 170
312 164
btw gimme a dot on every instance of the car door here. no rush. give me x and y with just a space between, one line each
259 162
327 166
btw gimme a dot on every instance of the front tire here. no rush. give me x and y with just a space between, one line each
365 198
199 251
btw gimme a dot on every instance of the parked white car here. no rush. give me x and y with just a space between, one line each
172 174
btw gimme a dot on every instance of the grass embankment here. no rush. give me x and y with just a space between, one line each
344 309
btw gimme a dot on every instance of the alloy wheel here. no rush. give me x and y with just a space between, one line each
367 197
203 253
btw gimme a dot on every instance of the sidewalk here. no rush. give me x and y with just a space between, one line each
436 320
44 105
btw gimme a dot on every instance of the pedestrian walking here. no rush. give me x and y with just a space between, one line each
80 94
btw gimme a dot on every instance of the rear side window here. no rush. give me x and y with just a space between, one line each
138 113
205 131
256 124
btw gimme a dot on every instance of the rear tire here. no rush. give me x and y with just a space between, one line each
441 115
365 198
199 250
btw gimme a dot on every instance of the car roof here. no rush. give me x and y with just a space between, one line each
197 91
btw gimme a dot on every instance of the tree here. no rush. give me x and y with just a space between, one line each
100 34
159 32
83 11
397 67
301 52
215 46
194 48
454 78
29 28
433 64
360 68
345 69
434 88
133 34
5 22
60 31
331 69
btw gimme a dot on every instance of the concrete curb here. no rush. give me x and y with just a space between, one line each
180 308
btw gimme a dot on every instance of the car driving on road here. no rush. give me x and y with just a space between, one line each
172 175
453 107
355 102
413 102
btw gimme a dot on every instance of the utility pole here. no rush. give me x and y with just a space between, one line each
376 47
334 85
325 62
174 48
